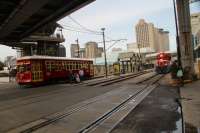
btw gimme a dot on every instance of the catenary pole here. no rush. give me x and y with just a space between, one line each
104 45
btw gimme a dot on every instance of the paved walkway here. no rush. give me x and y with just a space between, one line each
4 80
190 94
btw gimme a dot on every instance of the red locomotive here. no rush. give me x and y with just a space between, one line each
163 61
32 70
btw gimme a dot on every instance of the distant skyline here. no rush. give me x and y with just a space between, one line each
119 18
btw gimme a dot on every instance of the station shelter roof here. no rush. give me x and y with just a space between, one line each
112 57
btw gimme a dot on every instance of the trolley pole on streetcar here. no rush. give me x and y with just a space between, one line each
104 45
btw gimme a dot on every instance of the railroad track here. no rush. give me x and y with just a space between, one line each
36 98
113 80
96 125
149 79
127 104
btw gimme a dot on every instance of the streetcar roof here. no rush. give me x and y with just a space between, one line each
51 58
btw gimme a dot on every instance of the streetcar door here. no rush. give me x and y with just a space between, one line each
91 69
37 72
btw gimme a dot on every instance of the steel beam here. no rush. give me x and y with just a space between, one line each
58 14
20 15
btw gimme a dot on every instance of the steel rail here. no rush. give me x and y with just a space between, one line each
106 116
81 108
114 80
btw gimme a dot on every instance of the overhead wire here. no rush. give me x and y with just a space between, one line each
75 30
72 27
86 30
83 27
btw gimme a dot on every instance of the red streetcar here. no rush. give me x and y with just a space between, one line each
163 61
33 70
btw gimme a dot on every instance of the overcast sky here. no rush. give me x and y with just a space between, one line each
119 17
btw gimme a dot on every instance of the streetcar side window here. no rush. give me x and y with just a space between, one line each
59 66
56 66
76 65
72 65
81 65
86 65
52 66
64 65
67 65
48 66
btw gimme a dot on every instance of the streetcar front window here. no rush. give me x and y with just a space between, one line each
23 68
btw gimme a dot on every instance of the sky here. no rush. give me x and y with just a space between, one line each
118 18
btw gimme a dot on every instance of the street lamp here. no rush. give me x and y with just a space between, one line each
104 45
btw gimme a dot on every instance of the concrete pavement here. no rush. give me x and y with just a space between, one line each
190 95
157 113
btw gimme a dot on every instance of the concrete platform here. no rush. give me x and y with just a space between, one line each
190 95
159 112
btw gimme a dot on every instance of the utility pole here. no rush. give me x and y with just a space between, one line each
140 56
78 48
185 38
177 37
104 45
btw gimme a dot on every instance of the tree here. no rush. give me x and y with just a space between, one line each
1 65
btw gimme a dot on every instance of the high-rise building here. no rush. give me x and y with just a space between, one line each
74 50
100 51
162 38
150 37
195 23
82 52
61 51
92 50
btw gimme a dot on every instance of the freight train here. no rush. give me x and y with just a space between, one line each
33 70
163 63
